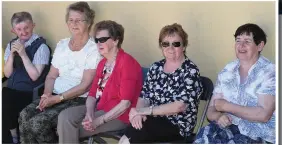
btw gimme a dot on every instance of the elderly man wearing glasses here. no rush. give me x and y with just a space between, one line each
73 68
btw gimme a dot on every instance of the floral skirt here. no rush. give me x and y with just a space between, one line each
214 134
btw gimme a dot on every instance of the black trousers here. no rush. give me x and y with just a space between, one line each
154 130
13 102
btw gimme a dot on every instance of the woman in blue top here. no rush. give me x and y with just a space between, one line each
242 108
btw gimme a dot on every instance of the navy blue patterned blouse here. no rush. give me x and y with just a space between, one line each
184 85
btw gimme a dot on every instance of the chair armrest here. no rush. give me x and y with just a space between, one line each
203 115
4 82
4 79
36 91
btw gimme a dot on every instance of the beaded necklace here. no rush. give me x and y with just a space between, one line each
110 66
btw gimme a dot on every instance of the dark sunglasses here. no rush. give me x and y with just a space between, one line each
102 39
167 44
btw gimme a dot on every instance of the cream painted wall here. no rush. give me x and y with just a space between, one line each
210 26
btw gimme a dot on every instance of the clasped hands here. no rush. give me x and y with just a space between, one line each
224 119
90 123
48 100
18 47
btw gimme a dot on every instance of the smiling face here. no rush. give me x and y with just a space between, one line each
173 51
106 44
23 30
246 49
77 23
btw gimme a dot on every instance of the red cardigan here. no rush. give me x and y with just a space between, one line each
125 83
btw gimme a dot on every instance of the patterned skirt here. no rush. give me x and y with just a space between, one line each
40 127
214 134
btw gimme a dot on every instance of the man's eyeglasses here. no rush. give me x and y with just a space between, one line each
71 21
167 44
102 39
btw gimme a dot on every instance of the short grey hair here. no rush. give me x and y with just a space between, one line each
20 17
84 8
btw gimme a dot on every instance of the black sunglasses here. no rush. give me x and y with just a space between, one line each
102 39
167 44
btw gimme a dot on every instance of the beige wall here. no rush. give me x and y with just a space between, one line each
210 26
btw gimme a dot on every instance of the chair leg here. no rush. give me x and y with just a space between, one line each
96 139
90 140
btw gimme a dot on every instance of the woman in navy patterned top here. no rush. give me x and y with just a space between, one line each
168 105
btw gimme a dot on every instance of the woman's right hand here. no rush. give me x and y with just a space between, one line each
87 121
42 98
224 120
137 121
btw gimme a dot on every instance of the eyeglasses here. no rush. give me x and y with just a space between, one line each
71 21
167 44
102 39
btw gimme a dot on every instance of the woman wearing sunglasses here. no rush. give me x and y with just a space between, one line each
73 67
115 89
167 108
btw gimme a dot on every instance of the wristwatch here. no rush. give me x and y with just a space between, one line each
61 97
151 110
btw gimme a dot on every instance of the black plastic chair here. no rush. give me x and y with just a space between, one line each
205 98
37 91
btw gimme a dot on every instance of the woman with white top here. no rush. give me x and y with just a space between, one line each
67 84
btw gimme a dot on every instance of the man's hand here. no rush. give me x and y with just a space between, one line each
224 120
18 47
13 51
220 104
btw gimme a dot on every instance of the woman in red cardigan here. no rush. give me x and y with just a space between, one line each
115 89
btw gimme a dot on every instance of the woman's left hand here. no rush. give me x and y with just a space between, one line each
50 101
220 104
97 122
137 121
133 112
